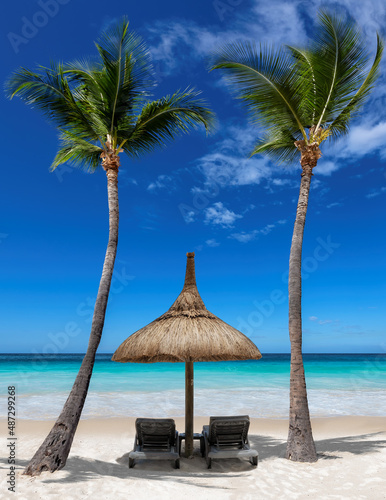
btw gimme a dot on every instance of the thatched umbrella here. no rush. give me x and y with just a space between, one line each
187 332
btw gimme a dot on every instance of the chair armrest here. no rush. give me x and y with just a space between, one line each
177 442
136 444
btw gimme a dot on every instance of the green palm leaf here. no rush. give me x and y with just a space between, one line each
305 71
77 151
127 75
266 81
340 125
49 91
161 121
338 57
279 147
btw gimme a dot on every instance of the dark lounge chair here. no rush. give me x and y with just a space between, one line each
156 439
227 437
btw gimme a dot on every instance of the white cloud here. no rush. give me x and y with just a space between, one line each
335 204
326 167
220 215
177 42
267 229
229 164
171 41
281 182
245 237
212 243
227 170
278 22
370 14
189 216
365 139
376 192
162 182
322 322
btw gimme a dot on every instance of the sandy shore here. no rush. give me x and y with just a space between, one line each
352 464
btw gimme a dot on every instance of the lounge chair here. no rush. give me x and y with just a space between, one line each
155 439
227 437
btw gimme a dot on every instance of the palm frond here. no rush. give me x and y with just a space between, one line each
265 80
279 148
49 91
306 78
77 151
163 120
127 72
340 125
338 56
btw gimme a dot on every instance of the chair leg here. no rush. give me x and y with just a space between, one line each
202 446
177 463
131 463
254 461
209 462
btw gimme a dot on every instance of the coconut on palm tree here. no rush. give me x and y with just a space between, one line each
301 98
102 110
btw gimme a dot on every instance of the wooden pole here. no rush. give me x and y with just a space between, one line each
189 394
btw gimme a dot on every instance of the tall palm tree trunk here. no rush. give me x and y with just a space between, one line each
52 454
300 444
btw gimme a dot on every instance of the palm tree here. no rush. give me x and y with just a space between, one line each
301 97
101 110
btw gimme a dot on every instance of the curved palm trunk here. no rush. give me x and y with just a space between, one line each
300 444
52 454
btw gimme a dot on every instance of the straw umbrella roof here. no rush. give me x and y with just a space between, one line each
186 332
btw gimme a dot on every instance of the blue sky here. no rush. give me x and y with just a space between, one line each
201 194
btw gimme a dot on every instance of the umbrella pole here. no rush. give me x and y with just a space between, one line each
189 389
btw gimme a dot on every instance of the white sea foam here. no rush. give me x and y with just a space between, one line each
263 403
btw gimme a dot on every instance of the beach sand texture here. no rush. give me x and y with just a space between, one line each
351 465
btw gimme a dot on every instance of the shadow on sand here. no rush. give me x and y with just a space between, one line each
327 448
79 469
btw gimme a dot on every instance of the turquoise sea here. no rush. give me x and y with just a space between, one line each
338 384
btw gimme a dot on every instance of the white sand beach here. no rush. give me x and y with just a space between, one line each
352 464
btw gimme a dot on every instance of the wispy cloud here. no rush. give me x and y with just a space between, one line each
189 216
366 138
229 163
212 243
181 40
281 182
326 167
162 182
335 204
246 236
376 192
220 215
322 321
227 170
